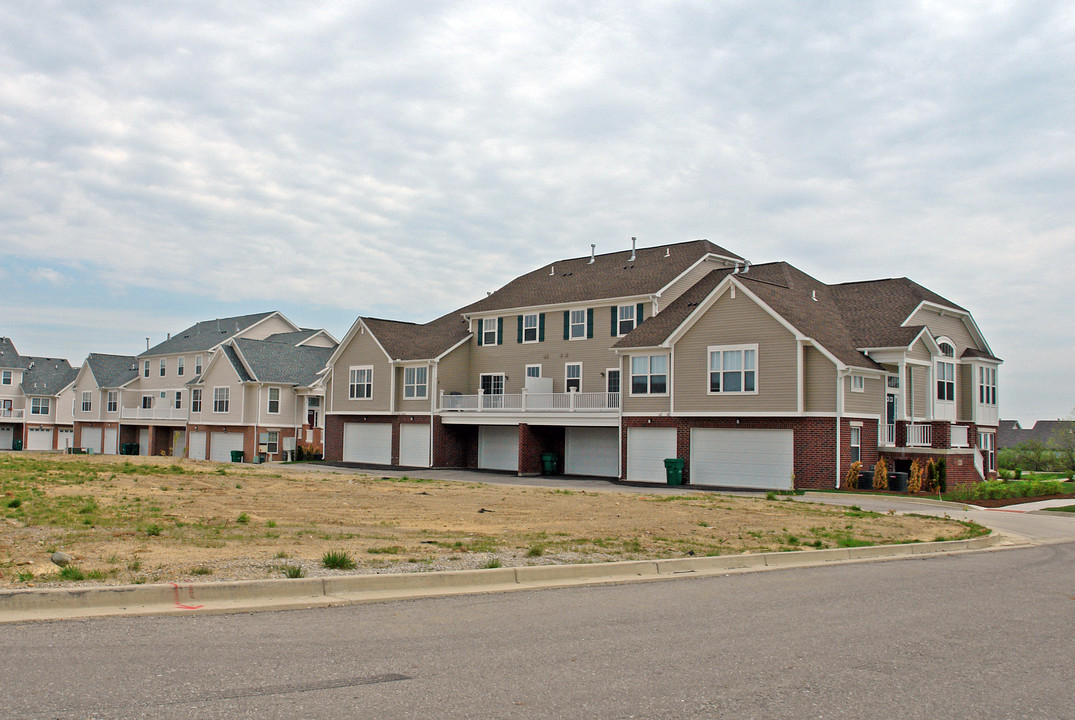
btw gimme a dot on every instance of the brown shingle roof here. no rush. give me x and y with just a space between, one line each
410 341
875 310
611 275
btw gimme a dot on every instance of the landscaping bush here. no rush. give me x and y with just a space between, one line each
942 475
880 475
851 482
1001 489
931 476
914 480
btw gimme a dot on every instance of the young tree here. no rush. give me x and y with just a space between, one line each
1062 444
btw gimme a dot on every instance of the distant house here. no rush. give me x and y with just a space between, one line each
35 400
756 376
1011 434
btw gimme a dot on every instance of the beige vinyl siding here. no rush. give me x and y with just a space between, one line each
453 371
688 281
221 374
737 321
946 325
289 407
820 391
86 383
919 392
512 357
641 403
966 391
268 327
362 350
414 405
319 341
870 401
919 351
63 403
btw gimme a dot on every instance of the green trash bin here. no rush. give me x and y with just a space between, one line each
548 462
237 456
673 470
16 444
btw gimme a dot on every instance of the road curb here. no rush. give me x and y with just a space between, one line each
251 595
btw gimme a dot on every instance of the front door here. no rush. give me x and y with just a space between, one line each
612 387
492 386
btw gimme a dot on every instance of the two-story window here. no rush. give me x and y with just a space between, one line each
573 377
145 368
197 364
361 383
180 363
987 444
221 399
987 386
531 328
112 404
39 406
5 377
491 331
87 401
196 400
946 374
649 375
733 369
274 401
578 324
415 385
164 365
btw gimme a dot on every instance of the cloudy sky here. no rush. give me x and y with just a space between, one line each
164 163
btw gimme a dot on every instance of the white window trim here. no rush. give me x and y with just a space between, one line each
351 384
39 406
197 364
177 401
196 400
987 385
424 385
180 365
535 328
573 364
571 324
144 406
526 371
631 376
858 382
226 400
5 377
112 401
723 348
503 380
87 401
164 367
852 444
269 441
145 368
489 325
942 361
269 401
620 319
608 376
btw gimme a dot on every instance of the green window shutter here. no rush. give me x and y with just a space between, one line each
519 339
500 331
567 324
615 320
541 327
589 322
481 327
638 314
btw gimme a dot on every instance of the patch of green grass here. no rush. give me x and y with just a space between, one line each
850 542
201 570
492 563
1066 508
282 555
153 530
385 550
293 571
270 523
632 546
72 573
535 551
338 560
243 519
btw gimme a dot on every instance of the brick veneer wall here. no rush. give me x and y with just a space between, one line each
334 432
868 439
814 442
454 446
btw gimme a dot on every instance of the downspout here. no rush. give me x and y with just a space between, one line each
839 415
434 382
801 380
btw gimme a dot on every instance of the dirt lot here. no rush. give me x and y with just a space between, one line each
139 519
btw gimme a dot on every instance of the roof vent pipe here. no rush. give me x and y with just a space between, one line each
746 267
667 252
736 271
633 241
147 343
813 295
593 252
552 270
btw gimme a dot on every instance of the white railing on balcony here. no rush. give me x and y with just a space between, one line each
154 414
12 413
532 402
979 463
919 435
886 435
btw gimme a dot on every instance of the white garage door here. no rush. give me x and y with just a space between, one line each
221 445
197 446
39 438
762 459
592 451
414 445
367 443
647 449
64 438
7 438
498 447
143 442
91 438
111 442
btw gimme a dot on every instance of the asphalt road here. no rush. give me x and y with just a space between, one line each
980 635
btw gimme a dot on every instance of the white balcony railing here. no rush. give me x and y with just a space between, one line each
532 402
154 413
12 413
919 435
886 435
979 463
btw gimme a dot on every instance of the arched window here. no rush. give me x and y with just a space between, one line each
946 371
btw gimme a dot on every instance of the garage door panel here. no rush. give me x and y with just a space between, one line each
65 439
91 438
414 445
110 444
221 445
745 458
196 445
592 451
498 447
367 443
39 439
647 449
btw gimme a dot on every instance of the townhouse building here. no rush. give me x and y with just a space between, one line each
35 400
755 375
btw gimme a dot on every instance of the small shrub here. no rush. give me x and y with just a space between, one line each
385 550
535 551
271 523
153 530
930 484
293 571
770 495
917 475
338 560
851 482
880 475
14 503
201 570
942 475
72 573
243 519
492 563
